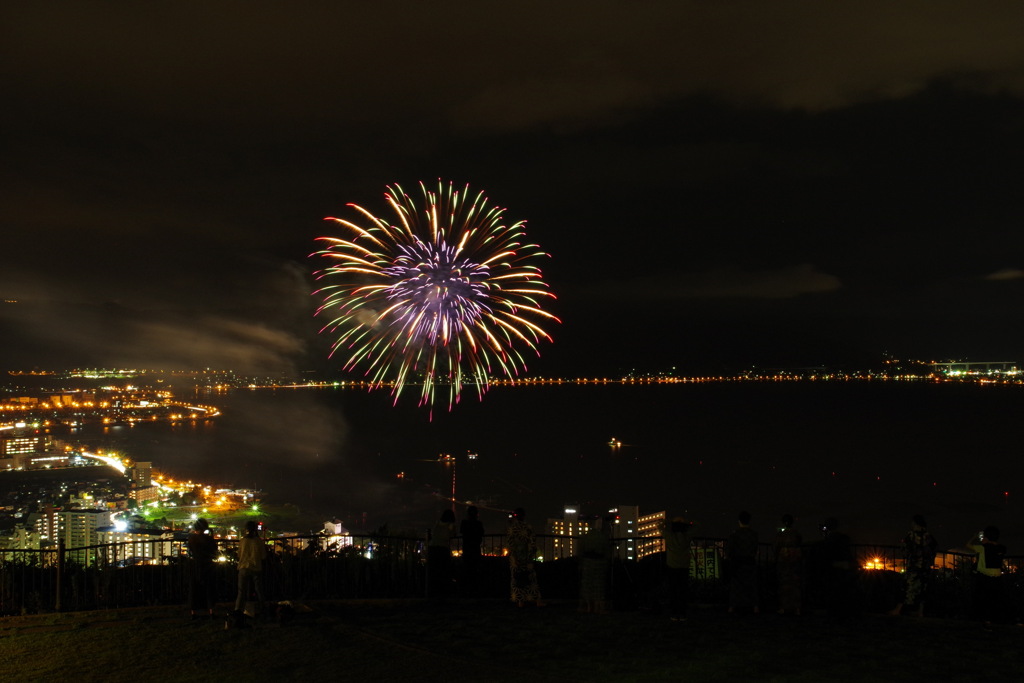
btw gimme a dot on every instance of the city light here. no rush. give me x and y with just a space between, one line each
874 563
107 460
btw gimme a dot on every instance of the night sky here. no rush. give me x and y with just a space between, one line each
719 184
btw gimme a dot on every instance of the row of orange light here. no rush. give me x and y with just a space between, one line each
49 406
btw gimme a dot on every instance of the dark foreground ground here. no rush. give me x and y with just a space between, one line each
493 641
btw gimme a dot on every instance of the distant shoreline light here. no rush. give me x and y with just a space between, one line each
1007 377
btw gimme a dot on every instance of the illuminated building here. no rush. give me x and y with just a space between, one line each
17 446
142 474
624 530
38 461
144 494
565 532
636 536
134 546
141 478
46 524
336 536
80 529
649 529
633 535
24 538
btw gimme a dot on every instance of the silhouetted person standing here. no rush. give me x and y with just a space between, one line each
439 555
741 554
522 552
202 551
988 574
789 566
677 566
840 571
472 531
595 566
252 551
918 555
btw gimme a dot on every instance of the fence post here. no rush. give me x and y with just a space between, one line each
60 574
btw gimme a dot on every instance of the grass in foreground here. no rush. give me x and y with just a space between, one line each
495 642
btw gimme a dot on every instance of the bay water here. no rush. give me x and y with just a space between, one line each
870 453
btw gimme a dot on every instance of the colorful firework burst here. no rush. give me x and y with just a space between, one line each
445 295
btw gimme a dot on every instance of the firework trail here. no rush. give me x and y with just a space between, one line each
442 294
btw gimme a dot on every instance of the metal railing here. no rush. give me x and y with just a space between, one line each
156 572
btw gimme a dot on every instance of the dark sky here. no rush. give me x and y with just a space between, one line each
719 184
